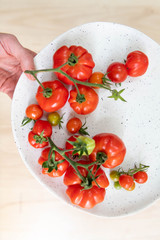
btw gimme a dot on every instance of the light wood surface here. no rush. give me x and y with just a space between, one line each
27 210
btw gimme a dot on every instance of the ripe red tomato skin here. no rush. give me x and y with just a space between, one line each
117 72
34 111
71 178
96 77
140 177
89 105
62 167
126 181
74 125
70 146
85 198
136 63
80 71
42 125
33 143
58 98
112 146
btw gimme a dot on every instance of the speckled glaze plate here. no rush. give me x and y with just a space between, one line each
135 122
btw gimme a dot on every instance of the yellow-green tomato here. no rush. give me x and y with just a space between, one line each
114 175
54 118
117 185
90 144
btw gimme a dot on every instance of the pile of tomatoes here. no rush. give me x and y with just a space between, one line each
83 159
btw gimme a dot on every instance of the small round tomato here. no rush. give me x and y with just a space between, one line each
74 125
96 77
140 177
54 118
136 63
114 175
42 126
126 181
34 111
86 102
117 72
37 141
132 187
117 185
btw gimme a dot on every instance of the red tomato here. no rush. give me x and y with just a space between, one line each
85 198
136 63
61 167
71 178
38 136
34 143
88 105
132 187
126 181
80 66
140 177
56 99
109 149
96 77
74 125
34 111
42 125
117 72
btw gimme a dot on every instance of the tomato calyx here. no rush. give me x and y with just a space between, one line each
47 92
83 129
80 98
101 157
72 60
117 95
134 170
26 120
39 138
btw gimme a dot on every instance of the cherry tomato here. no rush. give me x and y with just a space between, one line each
117 72
86 105
96 77
80 63
117 185
34 111
126 181
140 177
52 97
136 63
109 150
85 198
114 175
74 125
54 118
132 187
61 167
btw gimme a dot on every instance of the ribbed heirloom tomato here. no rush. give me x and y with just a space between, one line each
85 198
109 150
59 168
80 63
86 102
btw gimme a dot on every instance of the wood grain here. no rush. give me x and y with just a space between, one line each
27 210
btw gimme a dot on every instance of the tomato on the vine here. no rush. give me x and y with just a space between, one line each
80 63
140 177
109 150
38 136
96 77
136 63
52 97
59 168
126 181
117 72
86 102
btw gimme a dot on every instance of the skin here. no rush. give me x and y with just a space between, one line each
14 59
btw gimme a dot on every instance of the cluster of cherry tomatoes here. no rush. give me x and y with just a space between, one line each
85 179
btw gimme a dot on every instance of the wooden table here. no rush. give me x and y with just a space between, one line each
27 210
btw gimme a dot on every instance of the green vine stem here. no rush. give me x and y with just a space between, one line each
134 170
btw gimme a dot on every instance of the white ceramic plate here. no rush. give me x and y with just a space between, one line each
135 122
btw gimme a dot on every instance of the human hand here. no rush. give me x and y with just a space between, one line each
14 59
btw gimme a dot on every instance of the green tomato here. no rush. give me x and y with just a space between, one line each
117 185
54 118
90 144
114 175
